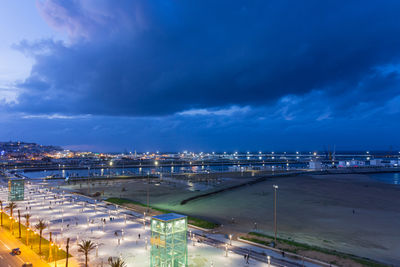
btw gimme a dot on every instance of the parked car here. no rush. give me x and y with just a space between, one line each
27 264
16 251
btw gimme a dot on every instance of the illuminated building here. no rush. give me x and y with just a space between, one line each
16 188
168 241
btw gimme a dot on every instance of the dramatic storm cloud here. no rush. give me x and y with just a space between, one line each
195 72
140 58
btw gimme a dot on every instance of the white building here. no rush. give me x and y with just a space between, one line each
344 163
315 164
357 163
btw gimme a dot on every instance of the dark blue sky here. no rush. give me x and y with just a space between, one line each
201 75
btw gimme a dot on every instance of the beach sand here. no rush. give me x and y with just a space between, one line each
313 209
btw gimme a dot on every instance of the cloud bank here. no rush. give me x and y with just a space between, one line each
256 67
141 58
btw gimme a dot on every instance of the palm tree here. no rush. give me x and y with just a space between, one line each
11 206
66 262
1 212
27 217
85 247
41 225
19 224
116 262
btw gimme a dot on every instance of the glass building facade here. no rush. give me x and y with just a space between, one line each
16 189
169 241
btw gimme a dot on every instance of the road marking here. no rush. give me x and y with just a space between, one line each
20 259
5 245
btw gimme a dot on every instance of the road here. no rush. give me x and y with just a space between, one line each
8 242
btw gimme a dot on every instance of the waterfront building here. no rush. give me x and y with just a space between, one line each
315 164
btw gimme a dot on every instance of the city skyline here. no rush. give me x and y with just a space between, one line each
201 76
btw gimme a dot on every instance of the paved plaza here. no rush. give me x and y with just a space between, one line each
117 232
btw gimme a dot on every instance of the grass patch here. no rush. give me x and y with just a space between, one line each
122 201
296 246
33 239
191 220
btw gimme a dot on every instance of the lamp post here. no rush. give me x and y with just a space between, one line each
109 169
88 180
55 255
27 236
147 189
275 226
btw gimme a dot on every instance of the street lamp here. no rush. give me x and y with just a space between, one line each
109 169
275 226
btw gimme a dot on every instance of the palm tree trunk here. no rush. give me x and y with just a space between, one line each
40 242
19 224
11 222
86 259
66 261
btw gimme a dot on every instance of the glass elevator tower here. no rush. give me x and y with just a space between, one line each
169 241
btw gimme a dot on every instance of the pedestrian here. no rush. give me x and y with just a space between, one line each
247 259
139 236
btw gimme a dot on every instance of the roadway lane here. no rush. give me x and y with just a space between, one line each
8 242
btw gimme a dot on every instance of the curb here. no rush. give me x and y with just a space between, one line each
322 263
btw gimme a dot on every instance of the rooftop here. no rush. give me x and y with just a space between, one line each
169 216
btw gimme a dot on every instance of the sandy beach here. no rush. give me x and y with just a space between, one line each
351 213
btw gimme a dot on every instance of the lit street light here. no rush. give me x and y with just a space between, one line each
275 226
